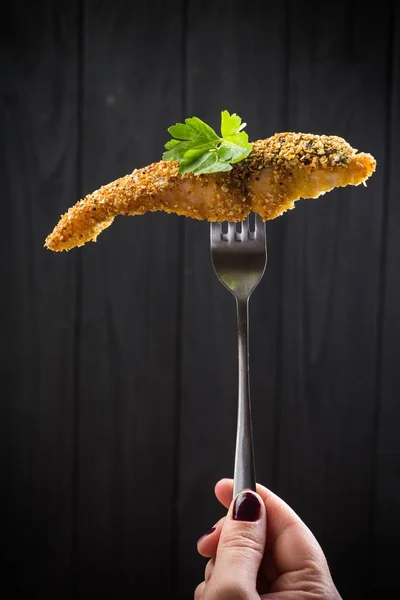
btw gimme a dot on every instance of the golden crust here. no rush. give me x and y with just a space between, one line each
295 165
279 171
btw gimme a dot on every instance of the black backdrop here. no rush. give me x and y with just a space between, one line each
118 360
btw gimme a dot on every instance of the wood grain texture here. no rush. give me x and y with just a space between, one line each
39 174
331 296
118 360
386 491
128 335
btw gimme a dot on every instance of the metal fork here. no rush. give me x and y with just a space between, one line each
239 257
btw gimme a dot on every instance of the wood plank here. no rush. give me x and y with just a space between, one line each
324 330
39 175
386 518
251 51
132 87
332 273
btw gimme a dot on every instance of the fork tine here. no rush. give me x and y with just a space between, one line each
245 228
231 231
216 230
259 226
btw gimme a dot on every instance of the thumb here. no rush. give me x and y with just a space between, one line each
241 547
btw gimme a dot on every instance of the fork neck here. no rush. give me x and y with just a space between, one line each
244 475
242 309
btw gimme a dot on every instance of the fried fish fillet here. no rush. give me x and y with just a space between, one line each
279 170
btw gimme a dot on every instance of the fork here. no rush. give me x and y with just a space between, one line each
239 257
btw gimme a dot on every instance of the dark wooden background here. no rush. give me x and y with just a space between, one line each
118 360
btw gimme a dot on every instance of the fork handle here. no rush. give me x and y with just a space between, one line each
244 471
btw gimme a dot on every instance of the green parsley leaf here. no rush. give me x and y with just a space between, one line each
230 124
182 132
198 149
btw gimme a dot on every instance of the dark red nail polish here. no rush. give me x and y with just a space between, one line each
206 534
246 507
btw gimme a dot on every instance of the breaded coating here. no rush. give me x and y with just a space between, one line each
279 170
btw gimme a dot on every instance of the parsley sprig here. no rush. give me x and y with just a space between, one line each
198 149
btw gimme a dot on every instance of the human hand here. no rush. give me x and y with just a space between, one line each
262 551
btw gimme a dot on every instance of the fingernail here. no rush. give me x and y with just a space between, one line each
206 534
246 507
